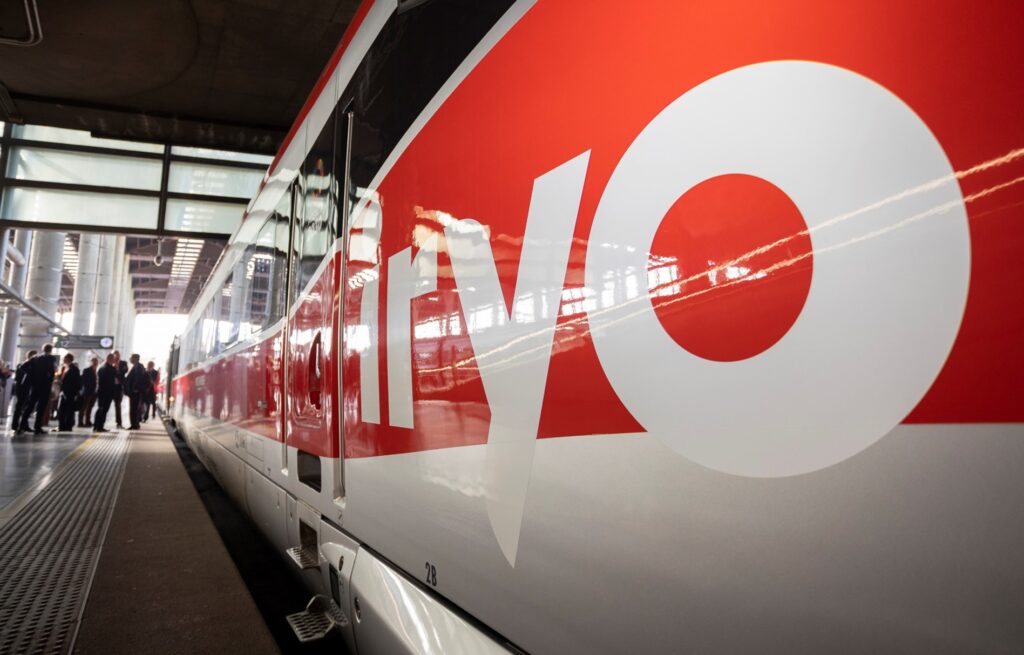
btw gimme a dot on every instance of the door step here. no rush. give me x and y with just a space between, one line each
317 620
304 557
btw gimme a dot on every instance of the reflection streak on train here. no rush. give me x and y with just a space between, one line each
607 328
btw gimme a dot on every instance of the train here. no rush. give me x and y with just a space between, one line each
603 327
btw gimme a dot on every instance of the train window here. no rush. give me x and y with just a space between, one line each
262 267
315 228
193 345
347 192
223 301
214 311
259 269
208 338
281 220
404 69
232 308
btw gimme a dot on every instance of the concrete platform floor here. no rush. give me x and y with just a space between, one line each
165 582
28 462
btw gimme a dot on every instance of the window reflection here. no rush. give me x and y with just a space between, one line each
577 300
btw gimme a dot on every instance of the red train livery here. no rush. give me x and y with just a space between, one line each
637 327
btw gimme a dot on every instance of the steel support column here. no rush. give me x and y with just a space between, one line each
117 288
5 240
83 304
45 268
124 336
12 317
129 327
105 285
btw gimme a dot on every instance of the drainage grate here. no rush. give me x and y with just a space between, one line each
49 550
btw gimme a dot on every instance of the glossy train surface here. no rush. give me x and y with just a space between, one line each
638 327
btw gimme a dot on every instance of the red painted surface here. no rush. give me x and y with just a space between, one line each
313 367
572 92
578 88
726 311
243 388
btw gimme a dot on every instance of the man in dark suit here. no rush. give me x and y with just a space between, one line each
88 394
136 384
40 380
149 402
121 367
70 386
22 391
106 386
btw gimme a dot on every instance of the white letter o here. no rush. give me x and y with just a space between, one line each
891 269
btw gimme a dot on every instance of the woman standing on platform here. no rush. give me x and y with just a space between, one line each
70 385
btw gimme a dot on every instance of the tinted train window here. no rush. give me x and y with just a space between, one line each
281 220
233 304
346 190
259 265
404 68
222 302
315 228
267 269
208 338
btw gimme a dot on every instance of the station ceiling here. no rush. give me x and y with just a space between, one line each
224 74
227 74
168 288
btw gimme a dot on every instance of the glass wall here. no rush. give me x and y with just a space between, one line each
222 155
187 177
79 208
47 165
79 138
72 178
202 216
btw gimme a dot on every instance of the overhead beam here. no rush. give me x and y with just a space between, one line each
125 123
103 229
10 298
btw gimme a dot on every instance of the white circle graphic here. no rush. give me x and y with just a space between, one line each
891 248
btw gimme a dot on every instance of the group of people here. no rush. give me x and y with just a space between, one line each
79 392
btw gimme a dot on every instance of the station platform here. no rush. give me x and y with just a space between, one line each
106 547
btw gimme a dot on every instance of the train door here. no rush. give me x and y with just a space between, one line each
287 213
169 374
346 201
311 414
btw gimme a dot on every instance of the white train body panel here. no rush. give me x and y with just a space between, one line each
602 328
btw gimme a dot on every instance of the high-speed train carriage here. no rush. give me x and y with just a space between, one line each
579 327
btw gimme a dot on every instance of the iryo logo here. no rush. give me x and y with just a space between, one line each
878 202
